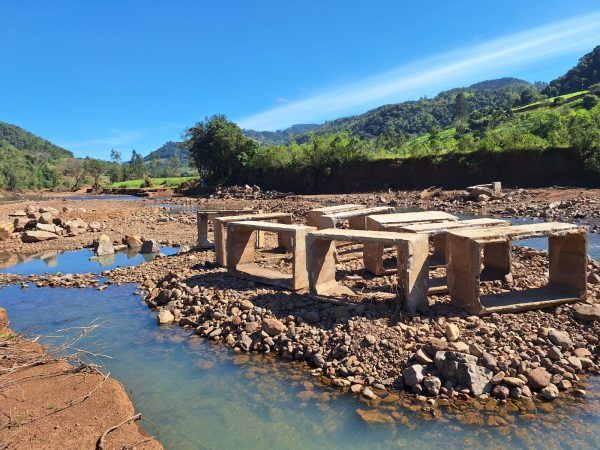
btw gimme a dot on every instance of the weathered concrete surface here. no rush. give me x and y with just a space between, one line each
412 263
373 252
241 253
313 216
437 231
467 251
220 224
204 216
356 218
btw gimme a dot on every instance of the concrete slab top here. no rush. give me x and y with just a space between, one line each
364 236
441 227
269 226
359 212
227 219
211 212
500 234
338 208
413 217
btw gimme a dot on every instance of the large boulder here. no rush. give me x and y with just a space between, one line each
273 327
560 338
46 218
462 370
133 241
587 313
414 374
50 227
150 246
165 317
538 378
94 226
38 236
23 223
104 246
6 229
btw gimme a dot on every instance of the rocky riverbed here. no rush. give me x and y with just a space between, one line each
368 347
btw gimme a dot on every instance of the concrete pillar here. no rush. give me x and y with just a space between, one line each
240 248
413 273
568 263
463 271
284 240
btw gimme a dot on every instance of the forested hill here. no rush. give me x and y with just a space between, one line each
580 77
167 150
29 143
26 160
280 136
412 118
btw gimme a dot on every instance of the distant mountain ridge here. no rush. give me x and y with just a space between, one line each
410 118
164 153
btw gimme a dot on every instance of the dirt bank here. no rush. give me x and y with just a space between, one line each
51 404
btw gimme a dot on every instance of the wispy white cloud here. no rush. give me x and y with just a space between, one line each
490 59
282 100
115 138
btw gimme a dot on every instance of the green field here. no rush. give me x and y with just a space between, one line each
168 182
549 101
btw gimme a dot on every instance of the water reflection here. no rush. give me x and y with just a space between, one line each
75 261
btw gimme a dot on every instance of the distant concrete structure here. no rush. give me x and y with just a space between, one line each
312 219
470 250
356 218
491 190
412 270
220 224
373 252
241 253
205 216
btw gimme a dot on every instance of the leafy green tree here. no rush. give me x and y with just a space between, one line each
116 170
173 166
137 167
460 108
155 167
589 101
219 149
95 168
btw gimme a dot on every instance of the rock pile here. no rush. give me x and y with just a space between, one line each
34 224
247 193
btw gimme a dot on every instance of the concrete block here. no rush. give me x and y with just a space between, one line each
312 219
205 216
373 252
241 253
469 249
220 226
412 250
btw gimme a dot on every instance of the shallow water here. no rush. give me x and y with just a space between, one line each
75 261
201 395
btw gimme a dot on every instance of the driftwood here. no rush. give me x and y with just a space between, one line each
101 444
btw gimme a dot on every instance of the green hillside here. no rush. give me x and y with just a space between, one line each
26 160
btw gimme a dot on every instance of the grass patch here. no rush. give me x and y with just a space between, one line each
167 182
550 101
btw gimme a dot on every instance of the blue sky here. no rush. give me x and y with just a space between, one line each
92 76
